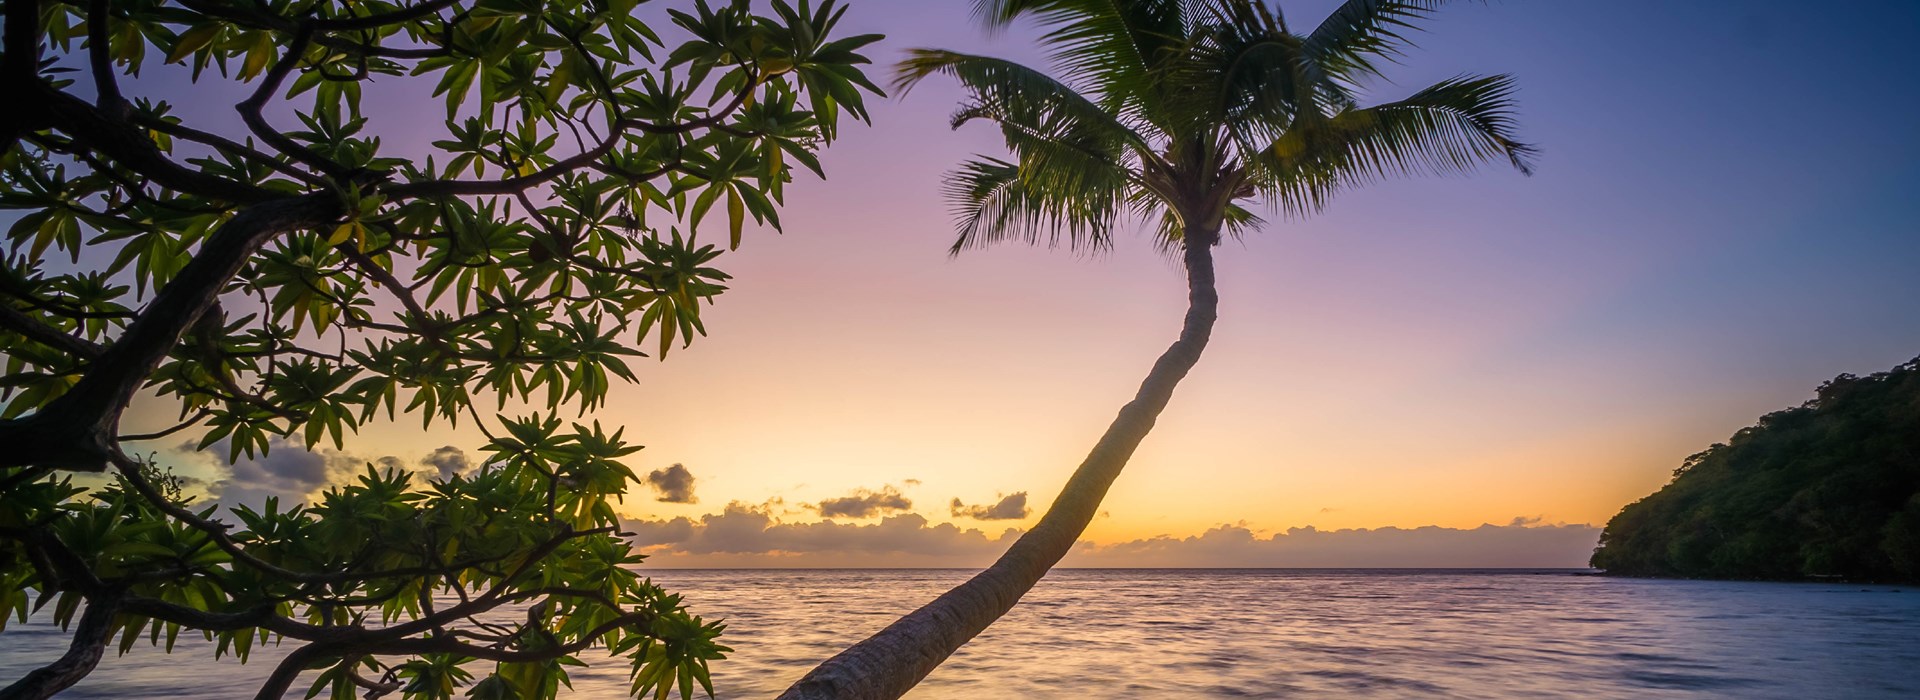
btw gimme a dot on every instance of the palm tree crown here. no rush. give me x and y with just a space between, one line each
1182 112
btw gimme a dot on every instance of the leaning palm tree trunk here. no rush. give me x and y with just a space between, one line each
888 664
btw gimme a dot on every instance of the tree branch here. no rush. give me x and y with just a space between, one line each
34 329
128 146
287 671
76 431
89 642
386 279
267 20
269 85
449 645
100 60
261 617
226 145
383 19
183 425
21 67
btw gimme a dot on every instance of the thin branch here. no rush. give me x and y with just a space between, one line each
127 145
269 85
450 645
226 145
587 158
75 431
374 688
100 59
264 19
135 191
39 332
235 394
393 284
384 19
188 423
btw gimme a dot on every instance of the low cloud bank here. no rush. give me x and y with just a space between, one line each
1516 545
1010 507
751 536
744 535
865 503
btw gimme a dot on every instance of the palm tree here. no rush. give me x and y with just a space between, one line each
1179 114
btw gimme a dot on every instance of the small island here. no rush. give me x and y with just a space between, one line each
1826 491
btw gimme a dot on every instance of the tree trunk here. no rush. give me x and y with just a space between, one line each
89 642
888 664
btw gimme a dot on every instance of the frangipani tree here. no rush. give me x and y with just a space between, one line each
1181 114
294 277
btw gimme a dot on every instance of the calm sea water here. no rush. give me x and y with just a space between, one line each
1253 633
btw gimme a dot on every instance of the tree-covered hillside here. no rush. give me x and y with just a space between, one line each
1831 488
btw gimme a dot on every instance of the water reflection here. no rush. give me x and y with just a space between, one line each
1265 633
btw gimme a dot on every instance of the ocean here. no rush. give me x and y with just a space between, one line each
1246 634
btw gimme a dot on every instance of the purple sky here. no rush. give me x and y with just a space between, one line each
1723 217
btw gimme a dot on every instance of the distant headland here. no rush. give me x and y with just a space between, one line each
1828 490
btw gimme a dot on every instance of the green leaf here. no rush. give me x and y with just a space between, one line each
258 54
193 40
736 215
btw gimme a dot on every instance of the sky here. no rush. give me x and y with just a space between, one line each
1471 371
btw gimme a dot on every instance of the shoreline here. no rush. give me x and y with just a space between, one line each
1840 580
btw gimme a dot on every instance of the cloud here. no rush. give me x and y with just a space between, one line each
752 536
864 503
1010 507
674 484
447 462
294 473
746 535
288 470
1487 546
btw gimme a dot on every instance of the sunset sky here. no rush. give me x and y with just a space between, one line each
1723 217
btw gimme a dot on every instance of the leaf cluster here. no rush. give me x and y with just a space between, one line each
292 275
519 259
494 582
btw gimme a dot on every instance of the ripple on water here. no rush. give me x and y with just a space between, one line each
1362 680
1683 681
1173 633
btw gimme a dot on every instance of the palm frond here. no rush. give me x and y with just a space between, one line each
999 88
1074 162
1349 43
1109 47
1450 127
995 201
1243 72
